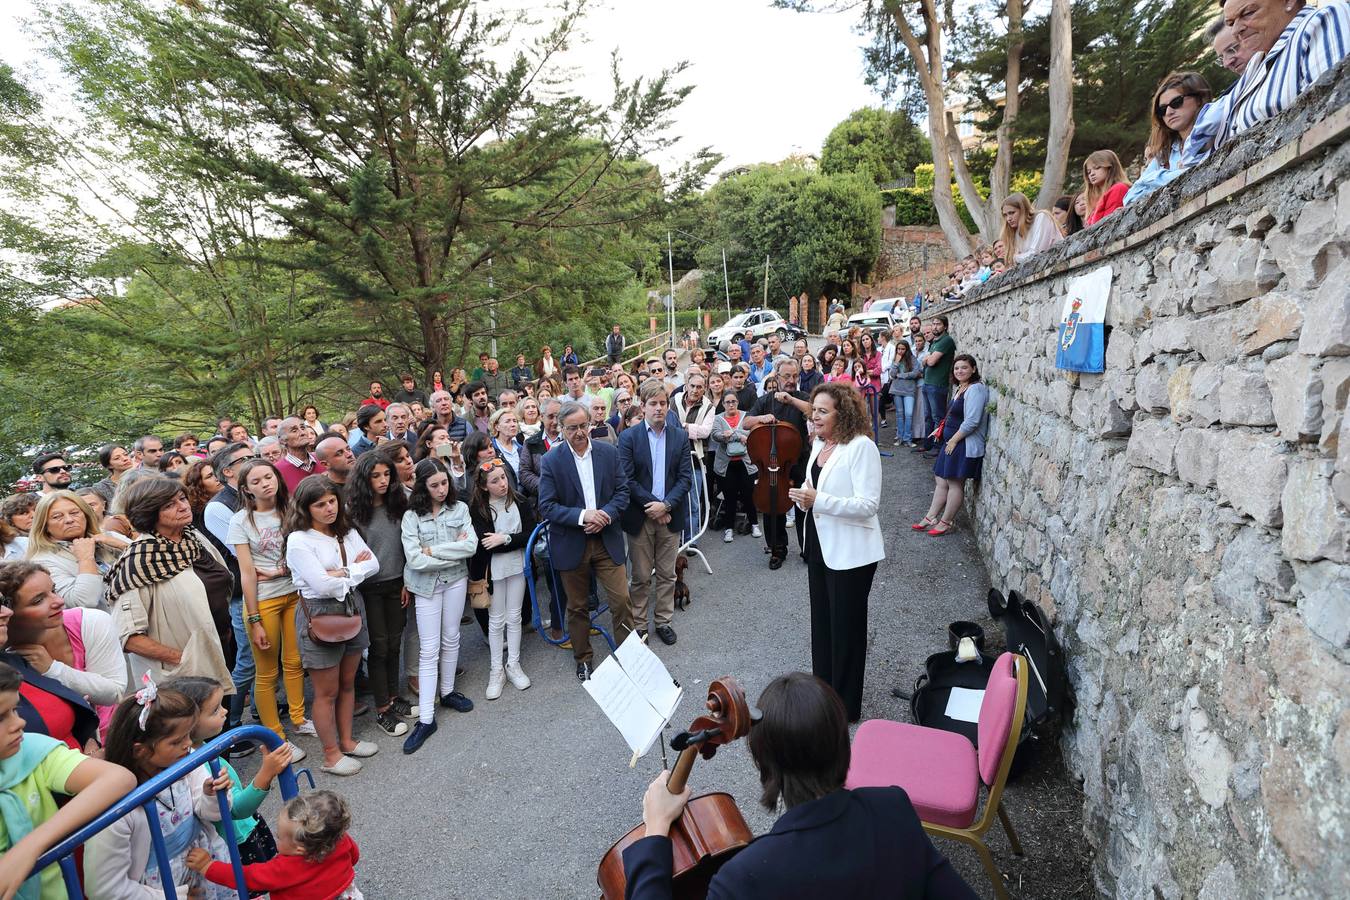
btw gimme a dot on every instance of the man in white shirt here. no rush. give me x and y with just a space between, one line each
582 495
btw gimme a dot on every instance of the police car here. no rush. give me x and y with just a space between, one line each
752 324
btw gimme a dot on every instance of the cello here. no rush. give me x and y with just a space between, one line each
711 829
769 447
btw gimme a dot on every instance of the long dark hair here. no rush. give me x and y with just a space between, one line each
480 501
309 491
361 499
800 745
826 357
903 351
974 367
423 451
247 501
420 501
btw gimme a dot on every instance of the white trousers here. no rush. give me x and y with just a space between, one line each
504 614
438 630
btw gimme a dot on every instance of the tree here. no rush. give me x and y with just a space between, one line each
428 157
884 146
820 232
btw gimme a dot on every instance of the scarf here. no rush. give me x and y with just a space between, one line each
152 559
34 749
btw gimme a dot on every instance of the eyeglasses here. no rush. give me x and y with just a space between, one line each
573 429
1174 103
490 465
54 469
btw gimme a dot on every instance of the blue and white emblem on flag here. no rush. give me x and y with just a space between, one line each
1082 335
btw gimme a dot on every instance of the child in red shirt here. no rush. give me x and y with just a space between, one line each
315 860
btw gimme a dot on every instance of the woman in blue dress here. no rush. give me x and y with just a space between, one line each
962 433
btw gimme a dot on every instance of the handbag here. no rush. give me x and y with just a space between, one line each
736 449
334 627
479 598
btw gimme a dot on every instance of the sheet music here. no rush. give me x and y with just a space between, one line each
623 702
649 674
963 704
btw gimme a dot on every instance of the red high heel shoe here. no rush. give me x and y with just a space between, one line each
927 522
933 532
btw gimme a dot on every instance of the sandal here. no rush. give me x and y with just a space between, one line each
928 521
946 528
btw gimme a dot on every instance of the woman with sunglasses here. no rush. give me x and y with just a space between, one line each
503 522
623 401
1176 105
438 541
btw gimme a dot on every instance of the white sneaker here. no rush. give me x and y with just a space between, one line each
297 755
496 679
728 536
756 531
306 728
791 517
519 680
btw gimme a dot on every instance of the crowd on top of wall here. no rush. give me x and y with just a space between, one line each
1277 48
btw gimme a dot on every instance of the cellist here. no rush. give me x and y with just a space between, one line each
830 842
789 405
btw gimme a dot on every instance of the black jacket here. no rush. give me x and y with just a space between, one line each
849 844
478 563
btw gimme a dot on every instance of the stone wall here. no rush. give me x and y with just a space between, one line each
912 258
1183 516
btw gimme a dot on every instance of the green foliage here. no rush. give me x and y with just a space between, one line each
820 231
881 145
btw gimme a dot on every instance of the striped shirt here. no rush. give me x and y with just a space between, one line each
1313 42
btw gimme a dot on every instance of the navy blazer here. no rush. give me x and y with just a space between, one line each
636 455
855 844
561 502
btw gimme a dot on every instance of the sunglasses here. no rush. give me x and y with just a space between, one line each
53 469
490 465
1174 103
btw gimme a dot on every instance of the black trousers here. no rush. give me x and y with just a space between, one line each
385 617
839 629
775 533
737 487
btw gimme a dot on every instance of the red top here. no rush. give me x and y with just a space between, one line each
384 404
57 716
293 474
294 877
1111 201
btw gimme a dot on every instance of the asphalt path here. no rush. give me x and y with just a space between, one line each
522 796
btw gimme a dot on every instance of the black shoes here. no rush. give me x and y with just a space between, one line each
402 707
457 701
775 562
421 731
666 634
390 723
239 751
583 671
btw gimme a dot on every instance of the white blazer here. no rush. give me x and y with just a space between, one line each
847 499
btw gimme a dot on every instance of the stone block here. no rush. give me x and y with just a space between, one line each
1110 420
1209 762
1197 456
1120 389
1307 251
1340 482
1059 398
1143 347
1119 350
1266 320
1313 528
1152 444
1215 337
1252 471
1244 398
1252 576
1171 335
1236 271
1150 386
1335 375
1326 327
1296 397
1200 405
1325 604
1292 808
1260 222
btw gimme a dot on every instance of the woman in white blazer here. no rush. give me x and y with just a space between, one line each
841 536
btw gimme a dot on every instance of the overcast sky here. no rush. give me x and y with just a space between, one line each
768 83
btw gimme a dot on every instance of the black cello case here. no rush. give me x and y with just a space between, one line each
1026 631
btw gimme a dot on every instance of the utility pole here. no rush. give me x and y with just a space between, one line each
492 308
670 264
726 282
766 281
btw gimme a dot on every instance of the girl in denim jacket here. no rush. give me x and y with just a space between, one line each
438 539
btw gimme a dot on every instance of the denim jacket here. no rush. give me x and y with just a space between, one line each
452 540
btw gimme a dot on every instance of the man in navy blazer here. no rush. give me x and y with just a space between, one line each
582 495
655 457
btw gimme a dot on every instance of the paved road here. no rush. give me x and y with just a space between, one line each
522 796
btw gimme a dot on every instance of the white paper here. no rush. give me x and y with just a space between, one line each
622 701
963 704
649 674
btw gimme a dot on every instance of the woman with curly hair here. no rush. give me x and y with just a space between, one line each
841 536
200 484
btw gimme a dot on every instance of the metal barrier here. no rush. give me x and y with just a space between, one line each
555 588
143 797
698 527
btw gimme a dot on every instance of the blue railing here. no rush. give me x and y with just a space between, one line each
555 588
144 798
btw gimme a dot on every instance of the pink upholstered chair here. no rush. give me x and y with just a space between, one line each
942 771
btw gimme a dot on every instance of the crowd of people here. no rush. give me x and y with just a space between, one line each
211 575
1277 48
